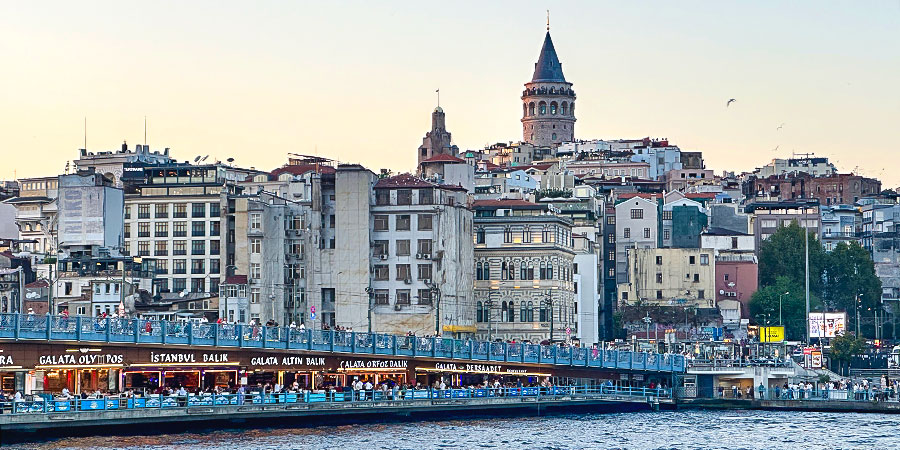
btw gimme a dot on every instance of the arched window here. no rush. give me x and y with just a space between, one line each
544 313
503 312
504 271
542 108
553 137
531 109
479 271
564 108
572 108
526 234
553 107
543 270
546 236
523 313
530 311
511 312
552 90
479 312
524 109
512 271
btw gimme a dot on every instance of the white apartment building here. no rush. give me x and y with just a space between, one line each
36 214
637 224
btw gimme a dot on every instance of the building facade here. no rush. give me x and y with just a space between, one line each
670 277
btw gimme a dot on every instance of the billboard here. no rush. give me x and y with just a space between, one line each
81 215
827 325
771 334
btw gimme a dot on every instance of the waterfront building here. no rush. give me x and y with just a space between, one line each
669 277
421 255
548 102
609 168
637 225
737 272
880 235
524 286
831 189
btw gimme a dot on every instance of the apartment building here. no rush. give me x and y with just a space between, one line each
670 277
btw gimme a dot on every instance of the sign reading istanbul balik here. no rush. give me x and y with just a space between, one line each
187 358
373 364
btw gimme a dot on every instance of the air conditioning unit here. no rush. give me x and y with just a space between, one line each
418 256
397 307
407 281
426 281
426 256
383 257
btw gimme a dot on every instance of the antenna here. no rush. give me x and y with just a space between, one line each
438 91
145 131
85 132
548 20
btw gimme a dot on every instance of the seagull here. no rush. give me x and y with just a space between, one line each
779 126
729 102
776 148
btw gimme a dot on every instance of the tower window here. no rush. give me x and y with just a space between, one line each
564 107
553 108
531 109
542 108
554 136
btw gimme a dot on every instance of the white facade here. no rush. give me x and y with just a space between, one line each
660 159
636 227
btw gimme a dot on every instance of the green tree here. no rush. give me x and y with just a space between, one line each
850 275
783 255
764 306
844 347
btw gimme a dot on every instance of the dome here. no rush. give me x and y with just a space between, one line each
438 109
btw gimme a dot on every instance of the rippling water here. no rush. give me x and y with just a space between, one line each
732 430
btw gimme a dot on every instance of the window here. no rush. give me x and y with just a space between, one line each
127 230
424 247
179 284
161 248
526 235
143 211
526 271
162 266
214 266
144 229
198 210
701 294
507 235
611 239
198 247
179 210
646 233
331 221
255 221
404 196
403 222
667 215
162 211
424 222
402 296
179 229
704 259
692 260
734 242
424 296
381 297
382 273
214 210
198 229
659 295
546 235
255 271
666 234
627 233
215 228
424 271
179 248
162 229
380 248
198 266
143 248
637 213
696 278
402 246
214 247
381 222
404 272
526 312
479 236
610 220
659 260
426 196
659 278
382 197
179 266
255 246
255 294
127 211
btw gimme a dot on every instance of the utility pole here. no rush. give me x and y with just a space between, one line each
370 294
857 313
489 303
806 239
436 295
647 321
549 302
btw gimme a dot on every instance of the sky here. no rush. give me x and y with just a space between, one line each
355 81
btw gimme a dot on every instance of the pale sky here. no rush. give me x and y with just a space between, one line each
356 80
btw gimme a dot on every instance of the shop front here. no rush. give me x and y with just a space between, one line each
376 371
476 374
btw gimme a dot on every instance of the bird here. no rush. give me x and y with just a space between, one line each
729 102
776 148
779 126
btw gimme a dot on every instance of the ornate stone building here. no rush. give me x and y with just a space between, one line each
437 141
548 102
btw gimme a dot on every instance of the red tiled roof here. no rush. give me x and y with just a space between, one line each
504 202
544 166
404 180
38 284
444 158
301 169
644 195
700 195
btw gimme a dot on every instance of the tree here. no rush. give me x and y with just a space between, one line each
844 347
764 306
783 255
850 275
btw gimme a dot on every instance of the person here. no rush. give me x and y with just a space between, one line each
293 325
66 393
762 390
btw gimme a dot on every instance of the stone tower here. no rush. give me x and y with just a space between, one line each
437 141
548 102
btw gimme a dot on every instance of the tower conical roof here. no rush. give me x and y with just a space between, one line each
548 67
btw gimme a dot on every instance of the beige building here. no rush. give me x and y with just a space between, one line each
670 277
36 213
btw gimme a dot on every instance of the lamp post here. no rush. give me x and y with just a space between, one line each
549 302
370 293
489 303
858 301
780 296
647 320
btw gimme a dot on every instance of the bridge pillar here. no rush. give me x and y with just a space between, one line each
189 328
265 332
77 329
394 344
505 352
162 330
49 326
352 342
240 335
412 340
108 331
16 327
215 329
137 330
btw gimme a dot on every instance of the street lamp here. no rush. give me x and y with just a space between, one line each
647 320
548 301
780 296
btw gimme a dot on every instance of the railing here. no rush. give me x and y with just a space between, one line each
818 395
718 364
44 403
143 331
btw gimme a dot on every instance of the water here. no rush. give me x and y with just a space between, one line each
666 430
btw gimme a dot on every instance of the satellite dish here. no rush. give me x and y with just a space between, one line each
183 293
204 158
197 158
230 160
721 291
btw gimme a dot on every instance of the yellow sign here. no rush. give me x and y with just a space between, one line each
771 334
460 328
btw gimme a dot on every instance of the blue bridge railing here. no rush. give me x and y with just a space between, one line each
42 404
143 331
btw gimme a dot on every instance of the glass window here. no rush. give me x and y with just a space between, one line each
179 266
403 222
255 221
179 210
424 247
255 271
255 246
162 248
198 266
402 247
704 259
404 196
424 272
214 210
179 248
162 229
381 222
144 229
424 296
380 248
403 272
162 210
198 210
381 296
215 228
424 222
179 229
402 296
627 233
198 228
214 247
382 197
637 213
382 273
426 196
198 247
143 211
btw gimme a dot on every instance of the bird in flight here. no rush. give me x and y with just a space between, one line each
779 126
728 103
776 148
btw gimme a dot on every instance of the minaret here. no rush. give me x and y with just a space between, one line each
437 141
548 101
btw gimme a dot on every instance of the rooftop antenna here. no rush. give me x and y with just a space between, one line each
438 91
85 132
548 20
145 131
